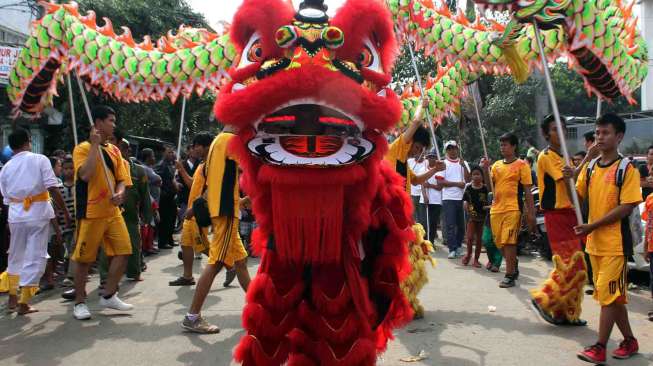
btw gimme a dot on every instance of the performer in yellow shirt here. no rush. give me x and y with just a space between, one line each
194 240
559 298
226 248
412 143
611 187
99 220
512 181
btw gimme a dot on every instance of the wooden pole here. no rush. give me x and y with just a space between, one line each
72 109
428 116
90 120
556 114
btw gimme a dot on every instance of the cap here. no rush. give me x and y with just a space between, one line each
450 143
432 154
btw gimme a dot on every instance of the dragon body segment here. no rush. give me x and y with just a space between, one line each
192 60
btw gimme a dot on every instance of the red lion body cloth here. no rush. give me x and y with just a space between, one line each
310 99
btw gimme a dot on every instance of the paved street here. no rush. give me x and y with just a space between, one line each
458 328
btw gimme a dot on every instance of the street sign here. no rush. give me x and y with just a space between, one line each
8 57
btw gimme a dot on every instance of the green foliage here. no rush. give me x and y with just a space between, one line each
158 120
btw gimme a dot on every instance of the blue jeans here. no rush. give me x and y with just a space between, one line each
454 223
419 211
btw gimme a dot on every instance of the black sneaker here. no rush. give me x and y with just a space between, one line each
231 275
182 281
69 294
508 281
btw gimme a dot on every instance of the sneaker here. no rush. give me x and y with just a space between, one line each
460 251
67 282
231 275
81 312
593 354
115 303
627 349
199 326
508 281
182 281
69 294
452 254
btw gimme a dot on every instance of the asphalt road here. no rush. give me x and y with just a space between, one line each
458 329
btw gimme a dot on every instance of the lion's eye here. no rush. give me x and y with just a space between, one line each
369 57
253 52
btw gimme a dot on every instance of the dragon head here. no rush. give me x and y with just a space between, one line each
547 13
307 90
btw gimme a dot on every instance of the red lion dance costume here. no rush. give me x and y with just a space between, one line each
309 96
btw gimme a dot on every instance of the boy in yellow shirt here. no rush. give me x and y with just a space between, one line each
192 240
412 143
226 248
609 241
98 196
512 181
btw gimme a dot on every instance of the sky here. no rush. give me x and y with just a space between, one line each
223 10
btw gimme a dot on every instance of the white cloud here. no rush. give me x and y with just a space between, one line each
223 10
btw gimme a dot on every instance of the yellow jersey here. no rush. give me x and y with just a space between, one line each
397 156
509 181
197 188
603 196
553 190
93 198
222 191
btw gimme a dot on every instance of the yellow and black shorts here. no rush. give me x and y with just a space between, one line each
191 237
609 274
110 232
226 246
505 227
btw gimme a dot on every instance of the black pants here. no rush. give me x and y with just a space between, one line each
434 221
168 214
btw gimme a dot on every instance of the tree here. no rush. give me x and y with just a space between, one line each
156 119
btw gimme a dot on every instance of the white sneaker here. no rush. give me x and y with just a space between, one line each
452 254
460 252
115 303
81 312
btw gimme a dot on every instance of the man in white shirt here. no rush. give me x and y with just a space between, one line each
418 166
453 180
27 181
431 197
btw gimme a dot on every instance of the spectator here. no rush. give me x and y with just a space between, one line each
68 193
167 203
418 166
477 204
453 179
646 174
431 200
185 171
531 164
56 238
148 162
578 158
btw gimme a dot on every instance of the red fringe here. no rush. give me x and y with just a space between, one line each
308 223
262 290
250 352
263 324
345 328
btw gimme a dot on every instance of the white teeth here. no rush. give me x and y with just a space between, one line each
382 93
237 87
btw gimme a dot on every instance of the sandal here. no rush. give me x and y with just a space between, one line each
466 260
476 264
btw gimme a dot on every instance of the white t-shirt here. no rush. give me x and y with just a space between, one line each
25 175
454 172
418 169
435 196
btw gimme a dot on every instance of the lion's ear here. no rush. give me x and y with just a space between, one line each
364 21
262 17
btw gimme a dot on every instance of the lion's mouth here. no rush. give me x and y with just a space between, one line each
306 133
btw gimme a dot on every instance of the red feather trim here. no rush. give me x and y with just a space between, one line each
265 324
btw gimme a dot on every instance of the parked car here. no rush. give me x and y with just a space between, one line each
638 260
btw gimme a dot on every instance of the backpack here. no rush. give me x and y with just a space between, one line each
634 218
